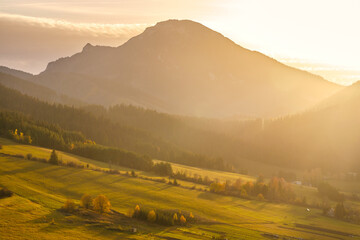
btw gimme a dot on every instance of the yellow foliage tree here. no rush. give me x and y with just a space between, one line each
101 204
260 197
86 201
191 215
182 220
243 193
175 217
69 206
137 209
151 216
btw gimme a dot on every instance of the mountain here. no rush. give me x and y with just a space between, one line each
329 135
183 67
33 89
16 73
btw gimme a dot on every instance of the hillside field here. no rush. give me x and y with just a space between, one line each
41 189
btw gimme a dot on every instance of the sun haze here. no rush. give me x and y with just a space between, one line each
317 36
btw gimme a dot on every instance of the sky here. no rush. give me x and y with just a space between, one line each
320 36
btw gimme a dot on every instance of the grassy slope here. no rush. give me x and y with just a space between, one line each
310 193
48 186
42 188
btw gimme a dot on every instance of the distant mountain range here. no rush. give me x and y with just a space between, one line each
183 67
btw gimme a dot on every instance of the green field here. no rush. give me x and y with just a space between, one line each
41 189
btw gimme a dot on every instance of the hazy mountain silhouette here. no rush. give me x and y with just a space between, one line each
16 73
184 67
329 134
34 90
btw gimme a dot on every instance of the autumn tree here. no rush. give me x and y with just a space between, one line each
260 179
237 185
175 217
69 206
243 193
101 204
182 220
136 212
86 201
151 216
217 187
260 197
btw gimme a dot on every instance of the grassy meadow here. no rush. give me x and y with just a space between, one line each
41 190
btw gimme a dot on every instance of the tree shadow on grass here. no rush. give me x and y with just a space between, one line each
110 225
30 168
5 141
208 196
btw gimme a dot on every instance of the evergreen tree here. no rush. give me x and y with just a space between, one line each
340 211
54 158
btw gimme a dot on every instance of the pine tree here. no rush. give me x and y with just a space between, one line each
54 158
340 211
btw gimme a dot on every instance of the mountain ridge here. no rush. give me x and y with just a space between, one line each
183 67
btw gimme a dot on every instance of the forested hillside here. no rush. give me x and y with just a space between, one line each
104 131
328 135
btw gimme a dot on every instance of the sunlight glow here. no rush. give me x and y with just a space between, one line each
318 32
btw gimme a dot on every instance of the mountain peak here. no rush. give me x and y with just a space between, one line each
87 47
179 27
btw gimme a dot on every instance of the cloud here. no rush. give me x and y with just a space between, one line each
95 29
29 43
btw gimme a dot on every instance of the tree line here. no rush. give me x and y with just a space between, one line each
24 129
105 131
276 190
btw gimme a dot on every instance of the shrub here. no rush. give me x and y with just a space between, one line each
86 201
69 206
163 169
73 164
29 156
101 204
4 192
151 216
